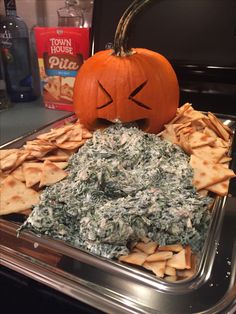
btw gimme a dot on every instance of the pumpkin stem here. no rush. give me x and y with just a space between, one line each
121 42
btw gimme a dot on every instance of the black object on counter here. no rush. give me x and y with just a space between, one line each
4 100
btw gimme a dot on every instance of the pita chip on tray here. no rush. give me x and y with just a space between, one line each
178 261
148 248
158 268
3 176
15 196
32 172
222 131
213 154
8 162
18 173
159 256
51 174
220 188
55 133
198 139
71 145
57 155
136 258
5 152
207 173
171 247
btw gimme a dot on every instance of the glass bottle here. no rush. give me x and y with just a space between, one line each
4 99
70 15
15 51
86 7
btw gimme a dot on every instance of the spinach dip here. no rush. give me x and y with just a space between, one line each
123 184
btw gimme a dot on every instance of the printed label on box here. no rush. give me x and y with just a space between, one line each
61 52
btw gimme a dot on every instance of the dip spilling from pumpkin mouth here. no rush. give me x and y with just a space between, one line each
103 123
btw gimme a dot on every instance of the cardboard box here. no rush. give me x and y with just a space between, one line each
61 52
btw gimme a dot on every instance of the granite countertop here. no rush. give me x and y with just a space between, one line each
24 118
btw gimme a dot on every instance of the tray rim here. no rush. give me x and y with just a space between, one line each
16 261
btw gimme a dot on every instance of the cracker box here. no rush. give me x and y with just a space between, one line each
61 52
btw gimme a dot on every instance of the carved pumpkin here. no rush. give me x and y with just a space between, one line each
126 84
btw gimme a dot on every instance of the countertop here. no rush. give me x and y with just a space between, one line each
23 118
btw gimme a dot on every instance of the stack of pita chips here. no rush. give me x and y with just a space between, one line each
39 163
171 262
207 140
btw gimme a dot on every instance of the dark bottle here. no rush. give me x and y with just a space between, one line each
4 100
14 45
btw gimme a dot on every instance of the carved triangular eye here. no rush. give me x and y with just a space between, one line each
135 92
110 100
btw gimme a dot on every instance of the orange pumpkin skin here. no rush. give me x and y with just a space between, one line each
125 84
138 87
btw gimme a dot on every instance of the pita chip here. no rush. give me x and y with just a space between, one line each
169 133
199 124
170 271
171 247
51 174
203 192
136 258
16 197
9 161
22 156
185 144
71 144
225 159
5 152
214 154
159 256
55 158
54 133
220 188
219 126
19 174
148 248
210 132
207 173
193 115
221 143
3 176
63 137
187 273
32 172
57 155
171 278
180 112
198 139
185 128
61 165
76 134
86 134
158 268
178 261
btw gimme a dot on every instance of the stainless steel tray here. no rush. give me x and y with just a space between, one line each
118 288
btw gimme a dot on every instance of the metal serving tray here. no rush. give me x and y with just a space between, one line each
114 287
